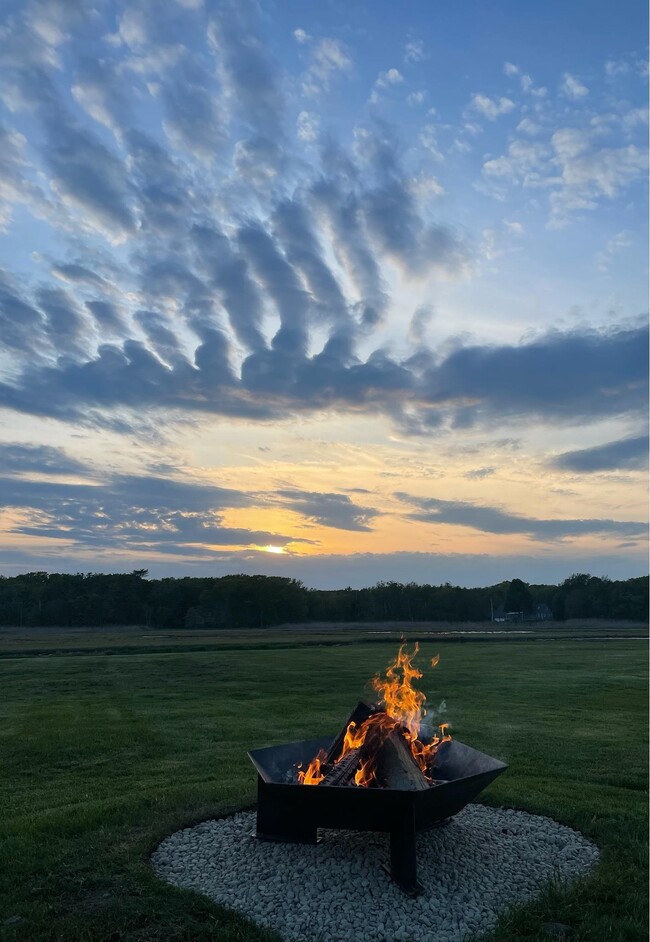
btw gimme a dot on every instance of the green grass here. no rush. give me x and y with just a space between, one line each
101 756
137 639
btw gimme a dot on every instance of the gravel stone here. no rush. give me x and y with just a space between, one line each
483 861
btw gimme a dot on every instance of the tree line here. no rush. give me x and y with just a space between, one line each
243 601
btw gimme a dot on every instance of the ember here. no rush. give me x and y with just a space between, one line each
380 746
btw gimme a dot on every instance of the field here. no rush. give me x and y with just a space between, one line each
111 740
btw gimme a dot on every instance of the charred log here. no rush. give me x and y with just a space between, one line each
358 716
343 772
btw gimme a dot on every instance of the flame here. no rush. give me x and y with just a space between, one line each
400 698
402 710
404 703
363 776
313 774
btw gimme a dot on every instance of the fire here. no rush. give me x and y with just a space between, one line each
312 774
402 712
363 776
400 698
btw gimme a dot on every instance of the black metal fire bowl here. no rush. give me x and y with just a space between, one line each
293 812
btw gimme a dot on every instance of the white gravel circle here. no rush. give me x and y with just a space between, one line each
337 891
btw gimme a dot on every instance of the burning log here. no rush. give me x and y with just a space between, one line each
343 772
396 767
359 715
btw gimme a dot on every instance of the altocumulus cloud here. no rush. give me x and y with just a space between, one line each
249 291
562 377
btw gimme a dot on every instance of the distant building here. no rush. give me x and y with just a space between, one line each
540 612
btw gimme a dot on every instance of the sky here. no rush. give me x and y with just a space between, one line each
345 292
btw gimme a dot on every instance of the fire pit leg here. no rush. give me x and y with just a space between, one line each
403 862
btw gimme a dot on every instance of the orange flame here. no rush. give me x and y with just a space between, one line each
313 774
406 704
363 776
400 698
403 708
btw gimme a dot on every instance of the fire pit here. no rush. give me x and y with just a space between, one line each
376 775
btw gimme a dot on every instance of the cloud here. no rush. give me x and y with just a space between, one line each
78 274
149 512
523 162
19 458
618 242
589 173
162 340
630 64
341 210
494 520
229 273
575 376
420 321
328 60
573 87
280 281
574 166
529 127
558 376
23 326
258 160
414 51
391 217
108 318
259 288
194 119
477 474
429 140
623 454
65 323
248 76
328 510
491 108
390 77
96 87
90 178
128 512
416 98
329 57
295 233
307 126
164 192
14 186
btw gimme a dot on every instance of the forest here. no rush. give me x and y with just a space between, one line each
241 601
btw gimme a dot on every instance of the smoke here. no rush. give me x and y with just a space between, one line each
430 725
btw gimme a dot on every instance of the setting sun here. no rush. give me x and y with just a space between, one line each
273 549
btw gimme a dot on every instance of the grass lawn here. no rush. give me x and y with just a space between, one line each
103 755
